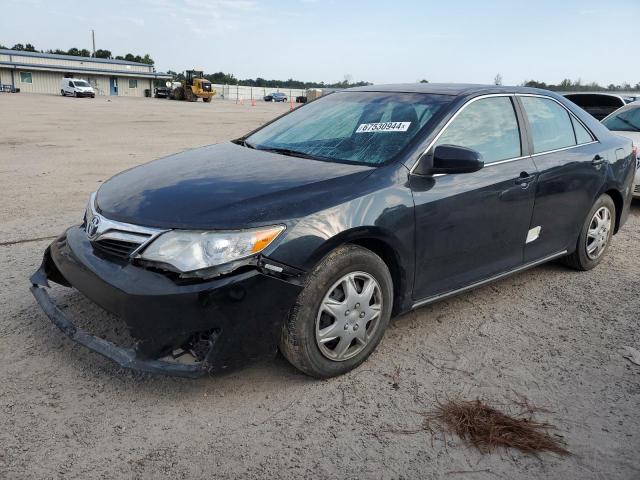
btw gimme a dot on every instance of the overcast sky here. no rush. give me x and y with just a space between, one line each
324 40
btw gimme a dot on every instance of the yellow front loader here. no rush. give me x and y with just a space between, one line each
193 87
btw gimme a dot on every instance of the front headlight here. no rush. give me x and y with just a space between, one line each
194 250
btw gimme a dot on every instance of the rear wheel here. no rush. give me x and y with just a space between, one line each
206 100
595 235
62 92
340 315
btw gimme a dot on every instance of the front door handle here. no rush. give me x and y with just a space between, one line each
525 179
598 160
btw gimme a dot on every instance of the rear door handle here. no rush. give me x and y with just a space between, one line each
598 160
525 179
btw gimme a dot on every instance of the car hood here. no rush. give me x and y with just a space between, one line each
226 186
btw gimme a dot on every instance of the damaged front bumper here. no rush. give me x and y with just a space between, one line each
234 320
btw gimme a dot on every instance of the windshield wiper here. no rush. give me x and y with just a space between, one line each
293 153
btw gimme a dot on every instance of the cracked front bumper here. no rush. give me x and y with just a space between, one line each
243 313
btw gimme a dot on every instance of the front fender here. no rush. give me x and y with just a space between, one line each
384 215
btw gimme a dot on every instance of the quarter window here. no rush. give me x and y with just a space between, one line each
133 83
582 134
551 126
25 77
488 126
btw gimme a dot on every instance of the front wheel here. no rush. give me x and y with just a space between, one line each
595 235
341 314
62 92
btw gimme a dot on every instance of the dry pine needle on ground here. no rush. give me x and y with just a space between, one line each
486 428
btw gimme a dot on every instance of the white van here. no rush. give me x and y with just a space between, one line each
76 87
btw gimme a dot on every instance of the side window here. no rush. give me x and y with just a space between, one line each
488 126
551 126
71 84
582 134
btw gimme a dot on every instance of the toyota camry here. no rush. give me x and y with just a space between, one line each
308 234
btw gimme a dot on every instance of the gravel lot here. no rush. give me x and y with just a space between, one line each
550 334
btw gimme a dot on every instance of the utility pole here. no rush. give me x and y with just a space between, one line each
93 40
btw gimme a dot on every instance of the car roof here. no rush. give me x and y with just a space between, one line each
454 89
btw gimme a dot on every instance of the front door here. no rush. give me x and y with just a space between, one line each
472 226
113 84
571 174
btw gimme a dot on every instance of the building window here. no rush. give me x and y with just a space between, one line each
25 77
133 83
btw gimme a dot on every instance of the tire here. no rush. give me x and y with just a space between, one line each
178 93
62 92
300 342
206 100
75 94
582 259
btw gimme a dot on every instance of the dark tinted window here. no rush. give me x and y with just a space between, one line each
625 121
362 127
551 127
488 126
582 134
586 100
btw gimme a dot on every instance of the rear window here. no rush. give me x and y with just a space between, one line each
354 127
586 100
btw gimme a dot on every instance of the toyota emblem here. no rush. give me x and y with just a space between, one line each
92 227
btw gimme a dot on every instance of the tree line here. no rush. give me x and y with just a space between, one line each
83 52
577 86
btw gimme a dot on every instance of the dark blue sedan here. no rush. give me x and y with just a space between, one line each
308 234
275 97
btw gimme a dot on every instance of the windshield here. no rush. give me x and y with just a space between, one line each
625 121
354 127
80 83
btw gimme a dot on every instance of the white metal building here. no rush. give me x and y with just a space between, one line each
41 73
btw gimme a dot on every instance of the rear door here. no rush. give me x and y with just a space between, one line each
571 174
472 226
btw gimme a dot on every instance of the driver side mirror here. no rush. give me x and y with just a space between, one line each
449 159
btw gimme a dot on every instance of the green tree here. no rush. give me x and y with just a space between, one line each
103 53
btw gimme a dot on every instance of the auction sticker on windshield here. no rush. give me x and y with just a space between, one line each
383 127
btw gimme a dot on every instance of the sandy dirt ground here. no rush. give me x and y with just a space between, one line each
549 334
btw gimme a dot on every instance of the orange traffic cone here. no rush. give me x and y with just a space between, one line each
253 102
242 101
290 104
